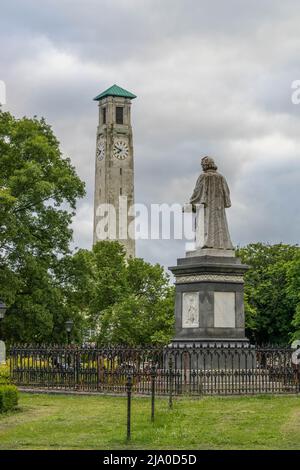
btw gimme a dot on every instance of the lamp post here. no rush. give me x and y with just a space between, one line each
69 326
2 312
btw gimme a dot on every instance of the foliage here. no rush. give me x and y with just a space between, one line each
38 192
272 291
8 397
4 374
129 301
293 274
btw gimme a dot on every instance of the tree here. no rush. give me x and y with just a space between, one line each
293 274
128 302
271 301
146 314
38 192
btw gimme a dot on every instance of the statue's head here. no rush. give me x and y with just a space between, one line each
208 164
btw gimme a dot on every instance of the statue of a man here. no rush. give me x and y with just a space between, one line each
210 198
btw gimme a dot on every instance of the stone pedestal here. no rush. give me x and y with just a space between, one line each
209 305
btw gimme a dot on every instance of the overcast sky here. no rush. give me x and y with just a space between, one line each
212 78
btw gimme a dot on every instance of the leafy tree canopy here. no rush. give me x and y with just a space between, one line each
272 292
38 192
293 276
127 301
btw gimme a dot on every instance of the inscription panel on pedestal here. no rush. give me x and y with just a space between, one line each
190 310
224 309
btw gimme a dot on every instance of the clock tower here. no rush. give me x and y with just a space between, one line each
114 169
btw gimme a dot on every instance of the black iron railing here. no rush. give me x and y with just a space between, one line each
192 370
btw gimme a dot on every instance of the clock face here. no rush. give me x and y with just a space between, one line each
120 150
100 152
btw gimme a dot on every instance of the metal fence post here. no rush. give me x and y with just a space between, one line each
129 389
153 377
170 383
77 368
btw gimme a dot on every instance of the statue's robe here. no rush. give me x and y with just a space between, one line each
211 196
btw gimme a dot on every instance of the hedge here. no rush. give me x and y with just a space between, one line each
8 397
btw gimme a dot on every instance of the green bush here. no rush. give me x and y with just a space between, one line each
4 374
8 397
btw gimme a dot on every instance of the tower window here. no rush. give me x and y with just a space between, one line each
120 191
119 114
103 115
120 171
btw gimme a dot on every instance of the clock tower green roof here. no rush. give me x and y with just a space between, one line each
115 90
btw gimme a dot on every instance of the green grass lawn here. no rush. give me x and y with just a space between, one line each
92 422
